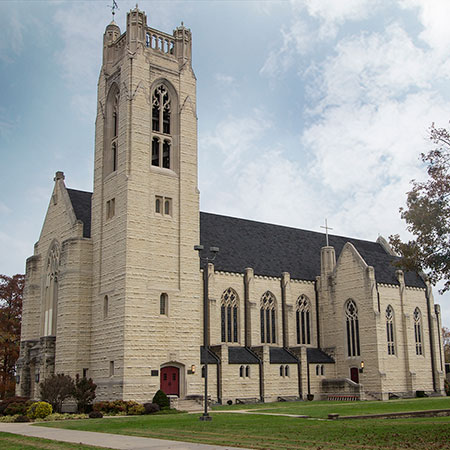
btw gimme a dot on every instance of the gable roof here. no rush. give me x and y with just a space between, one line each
269 249
81 202
272 249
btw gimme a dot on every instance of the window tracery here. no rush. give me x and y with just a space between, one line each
418 331
161 124
267 316
303 320
51 291
352 326
229 316
390 330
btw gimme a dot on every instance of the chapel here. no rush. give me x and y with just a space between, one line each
126 285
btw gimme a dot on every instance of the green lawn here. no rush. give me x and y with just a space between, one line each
16 442
279 433
322 409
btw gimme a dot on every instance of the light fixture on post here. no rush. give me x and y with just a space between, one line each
204 261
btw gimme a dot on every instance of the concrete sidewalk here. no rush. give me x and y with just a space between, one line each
115 441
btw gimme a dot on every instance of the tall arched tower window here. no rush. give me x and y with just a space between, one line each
162 128
268 321
418 331
352 326
111 131
390 330
229 316
303 320
51 291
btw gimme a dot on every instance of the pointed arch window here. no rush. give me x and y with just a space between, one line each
303 320
111 145
161 125
267 317
390 330
418 331
352 327
229 316
51 291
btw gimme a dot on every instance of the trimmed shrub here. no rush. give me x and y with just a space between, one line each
22 419
150 408
136 410
16 409
39 410
95 415
161 399
447 387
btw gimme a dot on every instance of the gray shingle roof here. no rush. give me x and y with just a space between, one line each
81 202
241 355
279 355
269 249
207 356
272 249
315 355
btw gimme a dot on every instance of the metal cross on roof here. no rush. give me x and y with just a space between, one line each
114 7
326 229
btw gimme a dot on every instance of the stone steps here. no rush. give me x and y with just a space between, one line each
189 405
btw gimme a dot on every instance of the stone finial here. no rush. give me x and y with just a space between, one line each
327 260
59 176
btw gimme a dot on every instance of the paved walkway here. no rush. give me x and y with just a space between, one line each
115 441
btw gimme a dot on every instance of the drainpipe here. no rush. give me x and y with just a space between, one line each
427 295
316 292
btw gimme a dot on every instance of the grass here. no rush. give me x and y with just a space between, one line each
280 433
15 442
322 409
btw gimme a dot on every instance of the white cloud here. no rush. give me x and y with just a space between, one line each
333 13
313 21
433 14
13 27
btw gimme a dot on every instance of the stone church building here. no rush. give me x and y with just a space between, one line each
114 290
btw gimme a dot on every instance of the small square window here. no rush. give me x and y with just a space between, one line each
110 208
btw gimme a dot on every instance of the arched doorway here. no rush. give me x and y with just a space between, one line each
170 380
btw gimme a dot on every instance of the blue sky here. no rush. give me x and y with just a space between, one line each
307 109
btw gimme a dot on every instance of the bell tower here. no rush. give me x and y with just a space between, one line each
146 308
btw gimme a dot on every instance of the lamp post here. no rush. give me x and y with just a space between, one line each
204 261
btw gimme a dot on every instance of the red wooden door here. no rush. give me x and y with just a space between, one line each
354 374
170 383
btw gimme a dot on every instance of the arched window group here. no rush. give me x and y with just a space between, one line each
303 320
229 316
267 316
320 370
352 328
418 331
244 371
161 128
284 371
51 291
390 330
